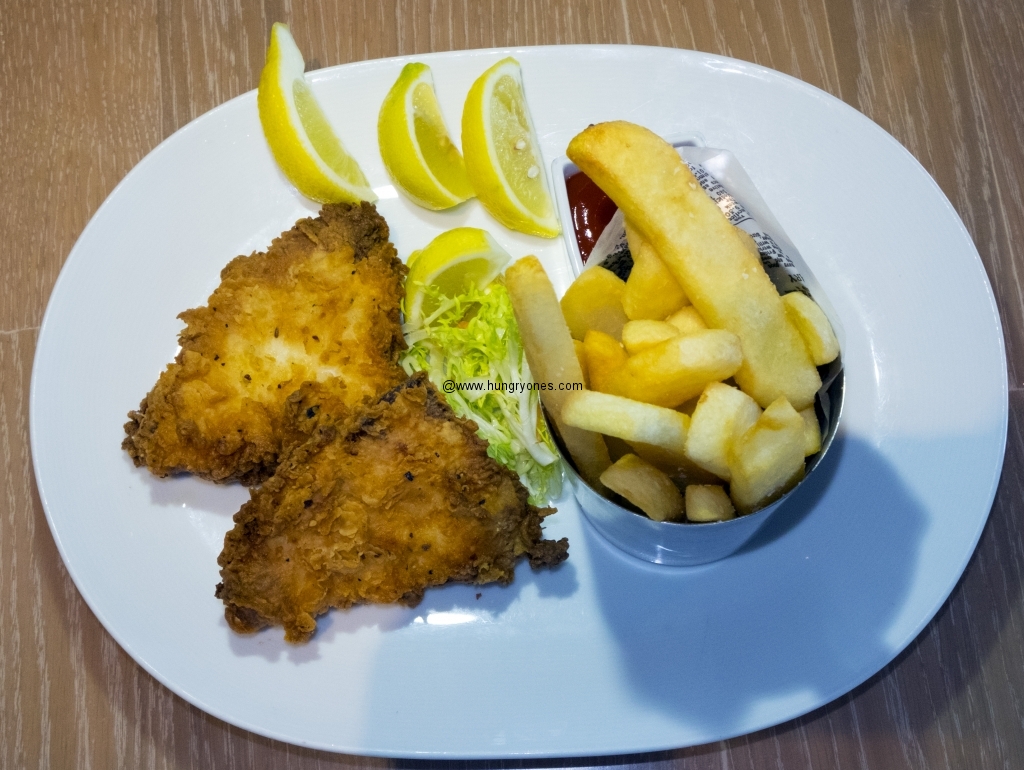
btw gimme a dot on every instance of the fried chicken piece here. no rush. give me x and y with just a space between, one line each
402 498
320 305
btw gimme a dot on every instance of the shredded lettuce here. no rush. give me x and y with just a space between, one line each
473 340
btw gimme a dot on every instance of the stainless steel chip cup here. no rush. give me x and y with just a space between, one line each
725 181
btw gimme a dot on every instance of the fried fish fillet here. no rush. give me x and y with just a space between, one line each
402 498
320 305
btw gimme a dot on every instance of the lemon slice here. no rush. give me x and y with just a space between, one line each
452 262
414 143
502 153
302 141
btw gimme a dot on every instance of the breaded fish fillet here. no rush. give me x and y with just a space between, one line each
402 498
320 305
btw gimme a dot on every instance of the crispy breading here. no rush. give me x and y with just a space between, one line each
401 498
320 305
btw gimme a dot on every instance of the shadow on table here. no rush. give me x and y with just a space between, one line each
783 621
956 647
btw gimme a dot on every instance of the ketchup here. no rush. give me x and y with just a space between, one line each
592 210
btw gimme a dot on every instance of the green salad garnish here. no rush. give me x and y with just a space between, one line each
472 342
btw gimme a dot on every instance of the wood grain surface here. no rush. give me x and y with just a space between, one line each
87 88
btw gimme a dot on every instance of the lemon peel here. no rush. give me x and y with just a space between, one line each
301 139
502 154
451 263
414 143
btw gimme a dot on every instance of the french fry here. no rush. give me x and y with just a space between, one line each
678 369
687 320
722 414
594 301
768 459
629 420
604 355
660 197
812 323
581 356
748 243
552 359
679 468
637 336
812 432
708 502
646 487
651 291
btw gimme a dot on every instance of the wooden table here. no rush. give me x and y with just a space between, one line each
87 89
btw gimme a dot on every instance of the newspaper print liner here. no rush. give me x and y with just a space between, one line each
728 185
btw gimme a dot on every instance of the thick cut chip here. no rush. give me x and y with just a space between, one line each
320 305
552 359
646 487
651 291
813 325
659 196
687 320
708 502
637 336
768 459
401 498
682 469
594 301
678 369
629 420
604 355
812 432
722 415
581 356
748 243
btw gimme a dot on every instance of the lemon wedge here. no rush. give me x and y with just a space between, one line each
452 262
414 142
502 153
300 138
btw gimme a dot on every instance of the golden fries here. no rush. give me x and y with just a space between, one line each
648 180
697 309
708 502
581 356
637 336
812 432
646 487
552 358
687 320
677 369
651 290
680 468
768 459
722 415
810 321
629 420
604 355
594 301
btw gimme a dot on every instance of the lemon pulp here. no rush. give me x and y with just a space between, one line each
502 154
414 142
451 263
516 149
301 139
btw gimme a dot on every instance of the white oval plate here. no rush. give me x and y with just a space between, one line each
606 654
